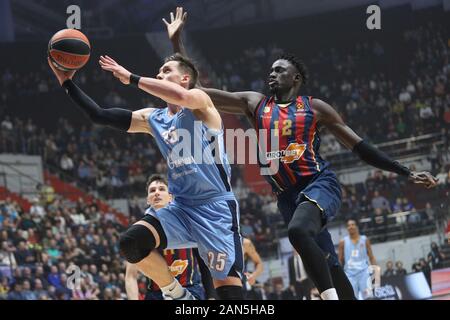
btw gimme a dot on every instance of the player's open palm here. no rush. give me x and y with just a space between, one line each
108 64
176 24
424 178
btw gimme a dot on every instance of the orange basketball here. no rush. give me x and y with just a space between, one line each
69 49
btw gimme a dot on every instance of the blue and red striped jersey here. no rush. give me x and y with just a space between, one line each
294 127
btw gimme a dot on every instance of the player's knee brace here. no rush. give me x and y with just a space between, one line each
306 222
230 293
136 243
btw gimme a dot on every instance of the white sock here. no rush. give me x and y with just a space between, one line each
329 294
173 290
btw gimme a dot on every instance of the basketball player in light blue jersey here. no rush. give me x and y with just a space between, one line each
355 253
189 134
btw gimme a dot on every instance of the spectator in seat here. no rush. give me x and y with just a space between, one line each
24 255
380 223
399 269
435 257
416 267
407 205
7 257
36 209
278 292
27 293
414 218
4 288
39 289
54 278
389 272
425 268
16 292
380 202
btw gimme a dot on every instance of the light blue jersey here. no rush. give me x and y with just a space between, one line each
357 267
199 170
204 211
355 255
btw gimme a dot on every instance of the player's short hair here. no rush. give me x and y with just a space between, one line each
297 63
156 177
187 66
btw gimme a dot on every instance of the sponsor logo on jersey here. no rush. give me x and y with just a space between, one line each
178 267
292 153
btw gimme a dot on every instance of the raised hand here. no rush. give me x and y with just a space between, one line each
425 178
176 24
108 64
62 76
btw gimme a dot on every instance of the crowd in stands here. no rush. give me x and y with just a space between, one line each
56 246
433 261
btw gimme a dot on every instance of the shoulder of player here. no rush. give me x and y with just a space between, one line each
319 106
323 112
253 100
202 100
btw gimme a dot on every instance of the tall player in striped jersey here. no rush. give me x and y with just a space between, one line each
183 262
308 192
189 134
355 253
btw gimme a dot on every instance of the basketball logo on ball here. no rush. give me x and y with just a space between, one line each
69 49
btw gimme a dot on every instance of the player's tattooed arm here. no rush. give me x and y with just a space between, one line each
330 119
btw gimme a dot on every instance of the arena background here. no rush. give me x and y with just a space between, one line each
68 188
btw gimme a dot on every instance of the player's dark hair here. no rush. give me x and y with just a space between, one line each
187 66
156 177
297 63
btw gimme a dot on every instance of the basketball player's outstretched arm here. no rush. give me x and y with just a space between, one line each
234 103
121 119
170 92
330 119
175 28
